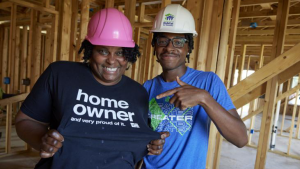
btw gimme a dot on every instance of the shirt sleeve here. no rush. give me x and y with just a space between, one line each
220 94
38 104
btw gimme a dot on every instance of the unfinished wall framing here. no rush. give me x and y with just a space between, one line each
233 36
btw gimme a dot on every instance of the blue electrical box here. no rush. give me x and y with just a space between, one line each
253 25
6 80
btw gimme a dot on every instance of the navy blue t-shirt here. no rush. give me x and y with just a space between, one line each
103 126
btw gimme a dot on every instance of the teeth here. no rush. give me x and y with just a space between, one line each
111 69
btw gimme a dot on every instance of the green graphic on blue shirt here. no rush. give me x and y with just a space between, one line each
165 117
155 109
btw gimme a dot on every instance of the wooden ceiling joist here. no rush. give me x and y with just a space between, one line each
259 2
34 6
246 24
266 32
266 13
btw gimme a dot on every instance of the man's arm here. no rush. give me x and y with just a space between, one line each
228 123
37 135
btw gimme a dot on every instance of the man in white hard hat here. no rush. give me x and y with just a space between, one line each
183 100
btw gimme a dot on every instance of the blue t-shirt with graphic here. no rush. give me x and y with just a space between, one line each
189 129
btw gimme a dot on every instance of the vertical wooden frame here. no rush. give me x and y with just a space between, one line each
11 48
232 39
84 20
23 66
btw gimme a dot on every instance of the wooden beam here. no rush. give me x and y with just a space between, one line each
130 8
253 113
13 99
11 49
278 65
260 90
203 44
214 36
266 13
23 65
36 51
285 107
196 9
259 2
84 19
242 62
16 66
246 23
73 34
65 30
266 32
293 121
272 86
1 52
4 66
109 3
34 6
294 39
232 42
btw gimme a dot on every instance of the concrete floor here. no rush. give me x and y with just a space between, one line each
231 157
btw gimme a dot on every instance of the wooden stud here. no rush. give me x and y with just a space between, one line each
292 122
149 55
196 8
285 107
36 58
23 66
47 58
1 51
214 35
64 33
16 66
223 49
298 121
261 58
84 19
242 62
11 48
271 91
137 36
135 65
164 3
204 42
33 6
5 58
8 130
109 3
232 42
130 8
53 40
32 29
220 69
73 33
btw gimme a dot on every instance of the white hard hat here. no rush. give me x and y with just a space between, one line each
174 19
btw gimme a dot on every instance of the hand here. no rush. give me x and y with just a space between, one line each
51 142
184 96
155 147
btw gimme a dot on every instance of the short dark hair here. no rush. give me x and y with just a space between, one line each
130 54
188 36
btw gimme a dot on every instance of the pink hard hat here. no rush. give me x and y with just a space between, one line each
110 27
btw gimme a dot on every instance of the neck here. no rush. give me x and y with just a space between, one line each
170 75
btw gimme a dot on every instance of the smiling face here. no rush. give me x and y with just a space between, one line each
170 57
108 64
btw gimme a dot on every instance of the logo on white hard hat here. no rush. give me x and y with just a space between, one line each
169 20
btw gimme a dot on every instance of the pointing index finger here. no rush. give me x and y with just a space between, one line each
167 93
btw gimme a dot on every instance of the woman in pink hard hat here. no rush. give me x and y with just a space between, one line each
89 115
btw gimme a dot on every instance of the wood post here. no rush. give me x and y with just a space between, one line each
232 40
84 19
271 91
